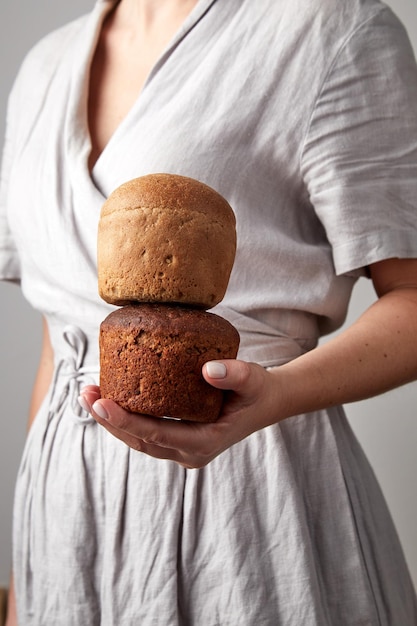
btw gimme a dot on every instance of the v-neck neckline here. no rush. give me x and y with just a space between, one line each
77 131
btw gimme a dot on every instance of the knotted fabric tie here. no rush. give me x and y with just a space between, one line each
74 375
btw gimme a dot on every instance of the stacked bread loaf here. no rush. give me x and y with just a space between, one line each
166 248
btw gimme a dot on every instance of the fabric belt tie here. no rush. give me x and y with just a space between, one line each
74 375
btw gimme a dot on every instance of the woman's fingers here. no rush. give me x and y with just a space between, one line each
88 395
191 444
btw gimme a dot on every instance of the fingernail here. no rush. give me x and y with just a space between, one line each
216 370
99 410
84 404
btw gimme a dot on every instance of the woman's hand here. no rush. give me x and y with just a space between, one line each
251 402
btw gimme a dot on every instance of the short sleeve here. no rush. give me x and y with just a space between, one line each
9 260
360 155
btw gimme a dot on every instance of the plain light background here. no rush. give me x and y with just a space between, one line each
386 426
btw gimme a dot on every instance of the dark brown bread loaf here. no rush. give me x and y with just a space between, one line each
165 238
151 357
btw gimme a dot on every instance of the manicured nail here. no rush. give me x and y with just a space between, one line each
99 410
216 370
84 404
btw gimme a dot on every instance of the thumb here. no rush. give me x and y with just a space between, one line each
239 376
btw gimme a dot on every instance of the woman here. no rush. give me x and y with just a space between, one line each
285 109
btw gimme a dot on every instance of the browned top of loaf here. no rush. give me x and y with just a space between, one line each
170 319
169 191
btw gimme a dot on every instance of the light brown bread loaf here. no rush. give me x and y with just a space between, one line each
165 238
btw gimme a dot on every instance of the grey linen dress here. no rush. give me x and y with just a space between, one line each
302 114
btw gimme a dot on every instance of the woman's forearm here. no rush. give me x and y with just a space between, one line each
11 619
375 354
43 376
